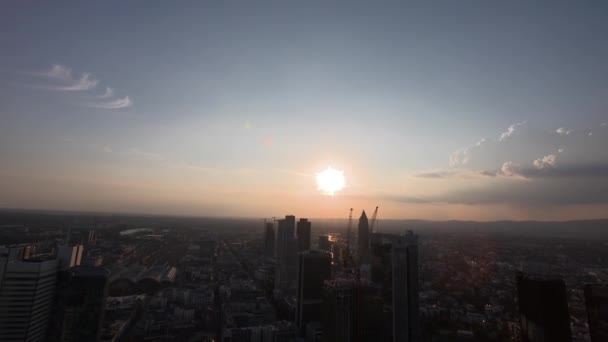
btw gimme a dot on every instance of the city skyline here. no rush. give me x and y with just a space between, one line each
467 111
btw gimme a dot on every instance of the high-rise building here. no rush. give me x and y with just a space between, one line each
269 240
352 311
324 244
287 250
406 324
596 300
82 305
69 256
27 288
303 233
285 235
543 309
363 245
314 267
394 267
337 310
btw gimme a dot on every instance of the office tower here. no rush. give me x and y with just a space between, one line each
324 244
287 250
352 311
269 239
596 300
337 310
82 305
394 267
543 309
285 234
363 232
27 288
406 324
314 267
303 233
69 256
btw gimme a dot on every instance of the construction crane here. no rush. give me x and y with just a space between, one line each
348 237
373 222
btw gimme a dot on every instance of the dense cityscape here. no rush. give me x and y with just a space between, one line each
85 277
303 171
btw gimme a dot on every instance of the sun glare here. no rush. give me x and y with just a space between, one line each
330 180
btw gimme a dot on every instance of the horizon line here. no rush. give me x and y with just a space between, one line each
125 213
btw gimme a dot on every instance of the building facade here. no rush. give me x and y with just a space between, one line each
27 288
314 267
303 233
543 309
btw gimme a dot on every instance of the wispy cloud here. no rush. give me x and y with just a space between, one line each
85 82
191 166
108 94
62 78
60 72
63 75
563 131
511 130
124 102
152 156
460 174
463 155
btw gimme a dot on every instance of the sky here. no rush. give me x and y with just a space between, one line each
467 110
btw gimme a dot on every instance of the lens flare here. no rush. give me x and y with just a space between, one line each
330 181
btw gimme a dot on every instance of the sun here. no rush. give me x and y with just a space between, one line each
330 180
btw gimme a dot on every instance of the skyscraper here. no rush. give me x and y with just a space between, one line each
314 267
363 232
285 234
303 233
394 268
286 248
596 300
543 309
324 244
83 304
269 239
406 324
26 295
352 311
337 310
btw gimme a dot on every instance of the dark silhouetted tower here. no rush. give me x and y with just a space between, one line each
286 248
352 311
406 324
543 309
337 310
303 233
363 239
324 244
83 304
314 267
394 268
269 240
596 300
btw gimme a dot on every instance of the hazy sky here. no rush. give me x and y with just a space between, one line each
442 110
